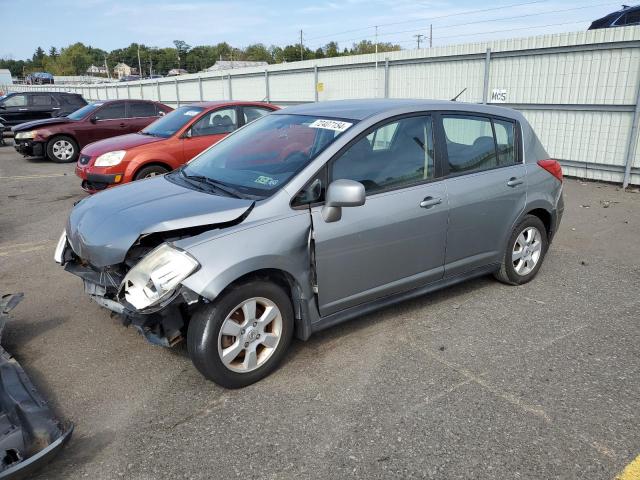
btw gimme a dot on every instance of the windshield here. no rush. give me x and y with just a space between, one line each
261 157
84 111
172 122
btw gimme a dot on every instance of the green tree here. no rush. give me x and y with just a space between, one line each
53 52
258 53
182 49
38 58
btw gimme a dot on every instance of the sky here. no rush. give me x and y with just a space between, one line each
110 24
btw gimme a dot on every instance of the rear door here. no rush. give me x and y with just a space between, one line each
110 121
396 240
486 185
42 105
210 128
139 115
14 109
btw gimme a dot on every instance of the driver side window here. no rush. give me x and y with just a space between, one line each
16 101
216 123
394 155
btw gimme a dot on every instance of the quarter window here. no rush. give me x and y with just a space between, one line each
216 123
254 113
111 112
470 143
394 155
505 140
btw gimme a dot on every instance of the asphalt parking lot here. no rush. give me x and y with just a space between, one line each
478 381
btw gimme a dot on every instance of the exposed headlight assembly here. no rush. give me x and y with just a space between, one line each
156 276
26 135
110 159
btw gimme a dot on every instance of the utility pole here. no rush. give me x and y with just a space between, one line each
431 35
107 68
377 78
139 63
301 47
418 37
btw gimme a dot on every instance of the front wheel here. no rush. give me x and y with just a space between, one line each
150 171
243 336
62 149
525 252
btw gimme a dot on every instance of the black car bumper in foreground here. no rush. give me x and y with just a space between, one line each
30 436
29 148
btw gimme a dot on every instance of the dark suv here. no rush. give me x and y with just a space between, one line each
22 107
621 18
39 78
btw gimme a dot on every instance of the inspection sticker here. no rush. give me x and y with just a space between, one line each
191 113
264 180
335 125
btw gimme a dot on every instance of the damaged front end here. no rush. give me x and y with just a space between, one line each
135 294
30 435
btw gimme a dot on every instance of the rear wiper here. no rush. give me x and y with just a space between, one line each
223 187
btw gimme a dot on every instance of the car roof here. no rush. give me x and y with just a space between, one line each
230 103
361 109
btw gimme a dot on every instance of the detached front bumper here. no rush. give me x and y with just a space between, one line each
30 435
29 148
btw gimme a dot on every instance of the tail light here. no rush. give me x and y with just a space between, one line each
553 167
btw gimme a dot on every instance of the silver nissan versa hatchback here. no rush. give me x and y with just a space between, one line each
313 215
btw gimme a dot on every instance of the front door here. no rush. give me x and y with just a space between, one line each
396 240
14 109
487 189
110 121
207 130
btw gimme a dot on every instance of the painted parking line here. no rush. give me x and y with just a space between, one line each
28 177
21 248
631 471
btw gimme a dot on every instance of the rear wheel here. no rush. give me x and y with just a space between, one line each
62 149
150 171
242 337
525 252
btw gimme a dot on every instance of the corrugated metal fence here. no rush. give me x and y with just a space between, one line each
579 90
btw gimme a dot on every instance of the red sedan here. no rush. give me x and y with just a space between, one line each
164 145
62 138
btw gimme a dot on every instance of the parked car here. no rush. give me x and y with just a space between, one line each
165 144
2 142
628 15
61 139
130 78
39 78
254 241
22 107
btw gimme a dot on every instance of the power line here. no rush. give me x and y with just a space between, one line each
548 12
467 12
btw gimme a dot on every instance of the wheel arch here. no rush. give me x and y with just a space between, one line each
149 163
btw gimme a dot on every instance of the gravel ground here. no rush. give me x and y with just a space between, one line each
478 381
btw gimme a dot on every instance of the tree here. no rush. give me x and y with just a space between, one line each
331 50
258 53
38 58
182 48
53 52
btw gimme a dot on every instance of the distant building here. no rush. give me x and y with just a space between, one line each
93 70
230 64
124 70
176 71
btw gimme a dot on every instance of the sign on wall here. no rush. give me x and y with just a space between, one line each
499 95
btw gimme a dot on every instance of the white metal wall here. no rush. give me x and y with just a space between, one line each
579 90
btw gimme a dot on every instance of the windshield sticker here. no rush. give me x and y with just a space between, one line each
191 113
263 180
335 125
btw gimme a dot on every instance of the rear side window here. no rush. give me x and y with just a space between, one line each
111 111
41 100
470 143
141 109
254 113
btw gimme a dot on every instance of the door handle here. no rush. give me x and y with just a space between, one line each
514 182
429 202
122 125
22 109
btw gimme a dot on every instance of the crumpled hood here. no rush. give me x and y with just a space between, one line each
102 228
46 122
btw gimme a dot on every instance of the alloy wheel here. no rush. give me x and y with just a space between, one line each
527 251
250 335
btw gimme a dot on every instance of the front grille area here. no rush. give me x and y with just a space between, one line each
84 159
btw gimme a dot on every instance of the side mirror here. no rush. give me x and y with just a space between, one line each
2 107
93 120
342 193
188 134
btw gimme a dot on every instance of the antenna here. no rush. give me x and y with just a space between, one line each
456 97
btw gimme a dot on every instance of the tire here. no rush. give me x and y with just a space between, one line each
62 149
523 240
150 171
208 344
